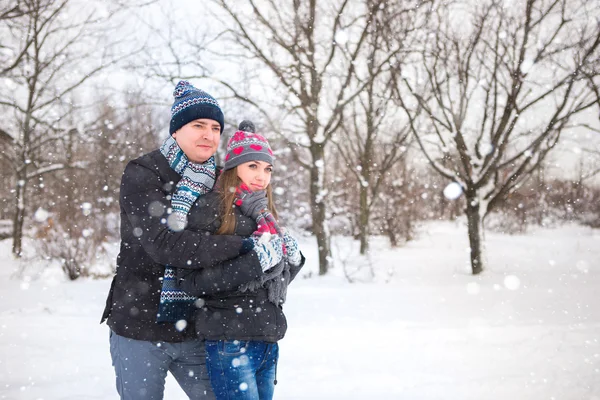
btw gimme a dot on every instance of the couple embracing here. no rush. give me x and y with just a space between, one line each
204 265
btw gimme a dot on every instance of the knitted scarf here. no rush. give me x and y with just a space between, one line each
196 180
265 222
276 279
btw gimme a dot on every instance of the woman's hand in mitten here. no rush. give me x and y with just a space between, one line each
252 203
292 251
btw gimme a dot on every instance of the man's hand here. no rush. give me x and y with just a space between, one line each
270 253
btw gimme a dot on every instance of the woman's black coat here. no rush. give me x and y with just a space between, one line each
232 315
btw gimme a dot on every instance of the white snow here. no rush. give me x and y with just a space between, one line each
528 328
526 65
341 37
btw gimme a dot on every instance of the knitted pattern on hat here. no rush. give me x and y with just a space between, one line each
191 104
196 179
247 146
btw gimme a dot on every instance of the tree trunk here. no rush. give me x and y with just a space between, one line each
317 203
474 224
18 218
391 233
408 227
363 226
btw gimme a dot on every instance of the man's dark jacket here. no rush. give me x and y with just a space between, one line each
147 245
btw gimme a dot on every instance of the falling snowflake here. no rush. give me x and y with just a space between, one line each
41 215
511 282
452 191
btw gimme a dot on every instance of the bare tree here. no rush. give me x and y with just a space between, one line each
11 53
81 206
496 90
57 54
173 51
593 170
370 150
10 10
373 139
315 52
398 211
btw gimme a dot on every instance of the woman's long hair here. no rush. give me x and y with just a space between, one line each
226 185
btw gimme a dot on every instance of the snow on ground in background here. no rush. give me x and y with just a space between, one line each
421 328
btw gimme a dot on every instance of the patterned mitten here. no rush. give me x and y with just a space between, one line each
292 251
269 252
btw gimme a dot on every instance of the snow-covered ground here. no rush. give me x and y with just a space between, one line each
415 324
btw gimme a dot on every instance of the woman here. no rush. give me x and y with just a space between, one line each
241 327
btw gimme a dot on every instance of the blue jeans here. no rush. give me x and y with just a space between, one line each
141 368
242 369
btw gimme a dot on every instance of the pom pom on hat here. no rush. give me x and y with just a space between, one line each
191 104
247 126
246 145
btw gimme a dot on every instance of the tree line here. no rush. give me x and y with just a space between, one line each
379 104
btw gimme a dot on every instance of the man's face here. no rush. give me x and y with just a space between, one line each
199 139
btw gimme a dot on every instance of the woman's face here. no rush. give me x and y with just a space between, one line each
255 174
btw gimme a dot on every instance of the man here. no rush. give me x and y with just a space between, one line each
148 316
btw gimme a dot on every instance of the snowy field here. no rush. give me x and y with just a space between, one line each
415 325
